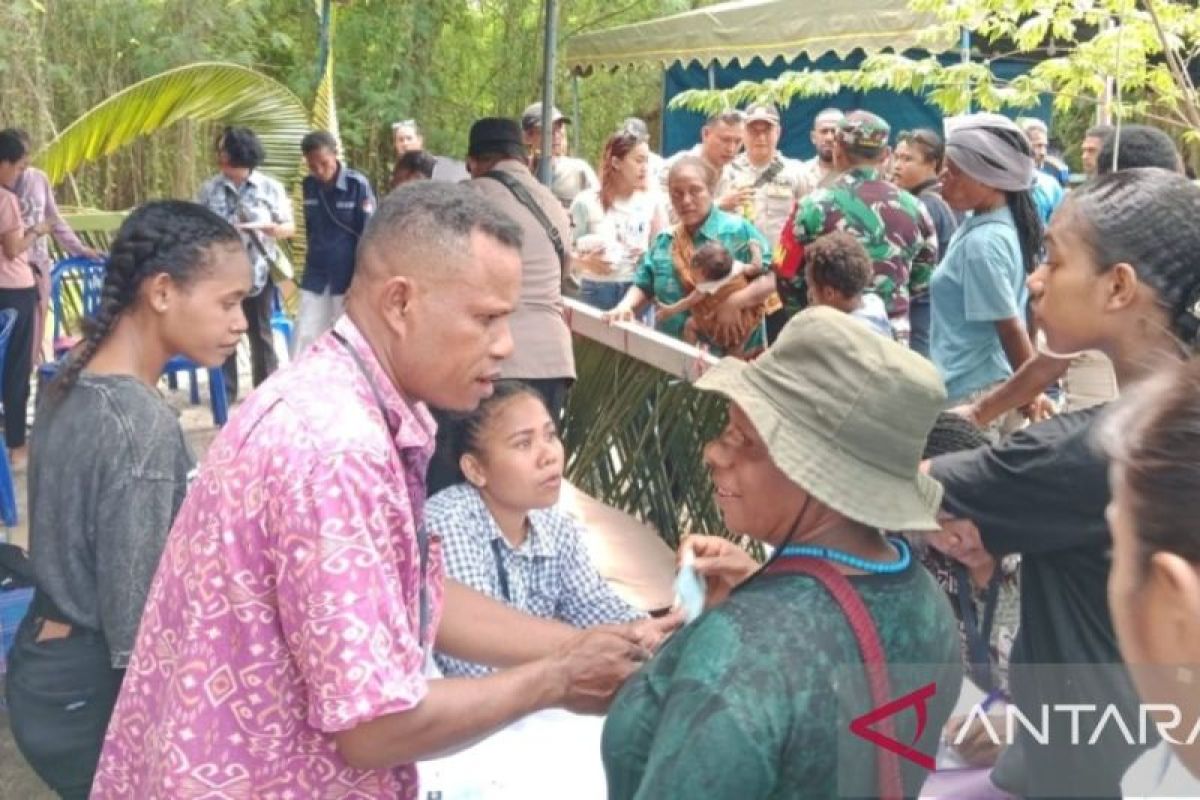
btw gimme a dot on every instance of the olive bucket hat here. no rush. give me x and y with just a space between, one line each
845 414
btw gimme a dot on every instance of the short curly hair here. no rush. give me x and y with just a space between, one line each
839 261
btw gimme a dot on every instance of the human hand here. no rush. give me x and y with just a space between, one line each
729 318
664 311
1040 408
736 198
42 228
721 563
592 666
594 263
621 313
89 254
650 632
970 412
977 746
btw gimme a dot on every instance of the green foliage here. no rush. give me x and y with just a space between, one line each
442 62
1147 45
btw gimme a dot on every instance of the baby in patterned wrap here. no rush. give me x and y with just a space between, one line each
717 277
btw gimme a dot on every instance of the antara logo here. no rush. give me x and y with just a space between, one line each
862 726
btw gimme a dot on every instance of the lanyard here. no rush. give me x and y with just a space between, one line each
422 531
501 571
979 648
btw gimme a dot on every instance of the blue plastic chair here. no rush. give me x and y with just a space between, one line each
8 493
81 276
281 322
86 277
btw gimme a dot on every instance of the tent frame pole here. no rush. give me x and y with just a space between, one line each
545 163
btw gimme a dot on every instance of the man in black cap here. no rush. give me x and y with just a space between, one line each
542 355
570 175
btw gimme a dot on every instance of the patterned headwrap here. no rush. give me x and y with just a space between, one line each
992 150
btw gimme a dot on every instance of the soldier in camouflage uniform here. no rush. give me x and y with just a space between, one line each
891 223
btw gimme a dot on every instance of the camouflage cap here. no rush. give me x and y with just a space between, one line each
864 133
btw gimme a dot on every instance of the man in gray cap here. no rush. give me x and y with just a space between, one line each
775 181
570 176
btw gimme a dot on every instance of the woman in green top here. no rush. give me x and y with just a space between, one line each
664 274
754 698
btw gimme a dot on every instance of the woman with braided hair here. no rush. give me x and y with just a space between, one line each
1120 276
108 473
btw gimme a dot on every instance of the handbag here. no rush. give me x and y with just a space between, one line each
890 787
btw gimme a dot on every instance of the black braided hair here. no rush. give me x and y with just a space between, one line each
170 236
1029 227
465 429
953 433
1148 218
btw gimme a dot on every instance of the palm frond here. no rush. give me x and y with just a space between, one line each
226 93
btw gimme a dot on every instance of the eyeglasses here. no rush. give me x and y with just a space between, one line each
920 136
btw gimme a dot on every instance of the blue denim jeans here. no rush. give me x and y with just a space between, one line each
603 295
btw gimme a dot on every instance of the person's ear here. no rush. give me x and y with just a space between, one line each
395 300
1122 287
472 470
158 292
1174 583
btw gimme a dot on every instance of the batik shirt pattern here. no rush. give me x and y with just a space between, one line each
891 223
286 607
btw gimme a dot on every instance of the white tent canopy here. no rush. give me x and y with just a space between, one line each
767 29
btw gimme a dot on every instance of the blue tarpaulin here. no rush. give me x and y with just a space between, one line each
681 129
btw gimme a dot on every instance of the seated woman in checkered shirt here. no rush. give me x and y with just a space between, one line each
502 531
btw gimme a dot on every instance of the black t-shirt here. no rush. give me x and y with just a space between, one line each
1042 492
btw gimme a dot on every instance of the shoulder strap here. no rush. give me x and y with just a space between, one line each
769 174
526 199
871 649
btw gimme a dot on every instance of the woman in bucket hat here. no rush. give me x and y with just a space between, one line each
819 459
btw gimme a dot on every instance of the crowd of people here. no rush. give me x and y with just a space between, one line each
926 336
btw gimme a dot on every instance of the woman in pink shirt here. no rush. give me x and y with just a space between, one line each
38 206
18 291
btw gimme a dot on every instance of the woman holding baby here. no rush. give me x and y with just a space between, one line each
666 276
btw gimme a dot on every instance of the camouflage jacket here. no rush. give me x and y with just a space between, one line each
891 223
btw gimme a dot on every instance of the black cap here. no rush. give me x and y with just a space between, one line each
495 136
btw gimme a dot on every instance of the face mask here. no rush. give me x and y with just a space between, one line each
689 588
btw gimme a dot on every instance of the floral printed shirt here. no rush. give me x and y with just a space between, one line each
286 607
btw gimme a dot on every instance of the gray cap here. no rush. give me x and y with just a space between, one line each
531 117
637 127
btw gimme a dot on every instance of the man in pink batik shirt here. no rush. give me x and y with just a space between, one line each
283 647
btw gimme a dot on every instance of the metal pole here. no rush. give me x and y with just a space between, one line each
545 165
576 114
966 59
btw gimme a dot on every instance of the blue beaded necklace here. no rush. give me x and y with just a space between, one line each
842 557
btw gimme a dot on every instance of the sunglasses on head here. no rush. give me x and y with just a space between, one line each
404 123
